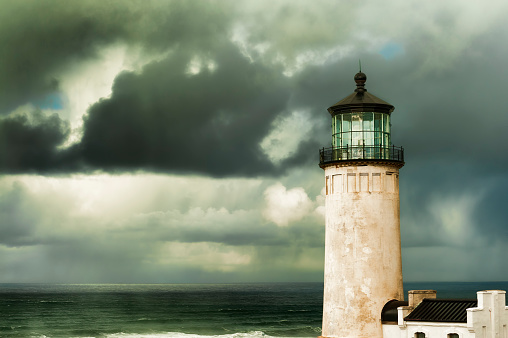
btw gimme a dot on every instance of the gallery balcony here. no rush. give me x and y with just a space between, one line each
361 154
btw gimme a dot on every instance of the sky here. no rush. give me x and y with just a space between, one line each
177 141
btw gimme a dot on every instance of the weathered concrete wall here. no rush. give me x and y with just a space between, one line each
363 268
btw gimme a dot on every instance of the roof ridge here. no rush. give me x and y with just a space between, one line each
449 300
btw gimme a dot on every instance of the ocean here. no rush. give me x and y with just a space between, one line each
178 310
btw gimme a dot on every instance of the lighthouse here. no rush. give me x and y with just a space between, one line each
363 267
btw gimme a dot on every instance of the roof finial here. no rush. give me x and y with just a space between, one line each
360 79
360 64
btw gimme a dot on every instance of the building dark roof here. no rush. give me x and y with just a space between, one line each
361 99
389 312
442 310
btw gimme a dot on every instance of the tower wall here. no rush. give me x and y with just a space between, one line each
363 267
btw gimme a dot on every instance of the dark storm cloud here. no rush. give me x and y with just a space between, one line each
448 93
451 122
166 120
452 115
40 40
29 141
212 122
160 120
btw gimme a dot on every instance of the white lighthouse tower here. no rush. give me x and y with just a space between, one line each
363 268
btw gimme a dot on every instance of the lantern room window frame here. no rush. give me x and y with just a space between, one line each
359 128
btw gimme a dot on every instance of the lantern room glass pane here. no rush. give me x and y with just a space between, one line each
378 140
368 138
356 120
334 136
356 138
386 123
369 131
368 122
386 141
346 123
378 122
346 139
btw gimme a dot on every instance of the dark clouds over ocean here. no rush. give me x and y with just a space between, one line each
178 141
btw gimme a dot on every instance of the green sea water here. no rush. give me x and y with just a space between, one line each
183 310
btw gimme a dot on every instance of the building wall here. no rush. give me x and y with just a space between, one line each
490 318
431 330
363 268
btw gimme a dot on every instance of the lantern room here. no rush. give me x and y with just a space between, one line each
361 128
358 128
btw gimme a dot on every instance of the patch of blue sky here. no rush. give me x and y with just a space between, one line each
51 101
391 50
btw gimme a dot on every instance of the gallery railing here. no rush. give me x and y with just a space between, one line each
391 153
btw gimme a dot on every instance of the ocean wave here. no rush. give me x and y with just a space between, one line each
252 334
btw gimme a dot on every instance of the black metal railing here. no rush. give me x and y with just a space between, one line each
348 153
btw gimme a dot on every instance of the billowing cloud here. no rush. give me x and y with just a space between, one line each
101 219
29 141
285 137
41 41
284 206
207 118
167 119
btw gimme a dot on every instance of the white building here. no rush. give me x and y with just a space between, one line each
425 316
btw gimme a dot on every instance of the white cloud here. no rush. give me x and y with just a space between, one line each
286 135
115 197
285 206
162 223
297 34
197 63
439 32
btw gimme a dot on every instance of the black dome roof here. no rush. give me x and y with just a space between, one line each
361 100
